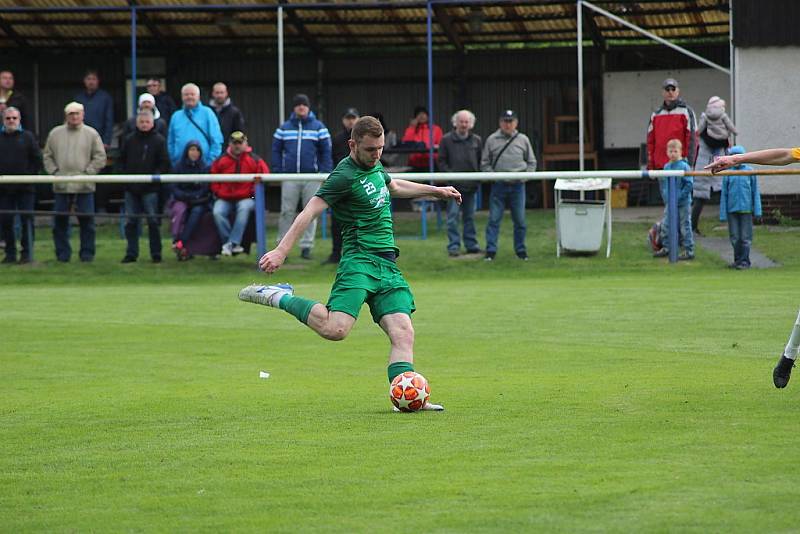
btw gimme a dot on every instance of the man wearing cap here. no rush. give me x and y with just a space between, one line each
235 196
302 144
74 148
165 104
146 101
98 106
674 119
19 154
194 122
418 131
341 149
230 117
507 150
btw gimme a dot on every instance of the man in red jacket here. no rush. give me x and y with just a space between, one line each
238 158
674 119
418 131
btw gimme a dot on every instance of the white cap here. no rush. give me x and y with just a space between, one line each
73 107
145 97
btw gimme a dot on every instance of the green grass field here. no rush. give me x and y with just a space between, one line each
582 394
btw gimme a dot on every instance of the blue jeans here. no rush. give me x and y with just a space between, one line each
142 204
23 201
740 229
84 203
513 194
467 211
192 220
685 235
222 209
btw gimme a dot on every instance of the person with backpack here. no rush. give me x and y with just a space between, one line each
194 121
507 150
239 158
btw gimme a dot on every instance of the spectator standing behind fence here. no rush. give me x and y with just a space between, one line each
144 152
98 107
739 202
74 148
674 119
460 151
715 129
341 150
229 116
10 97
302 144
190 200
194 122
19 154
507 150
677 162
418 131
165 104
146 101
238 196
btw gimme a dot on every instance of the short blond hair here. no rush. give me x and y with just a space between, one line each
366 126
675 143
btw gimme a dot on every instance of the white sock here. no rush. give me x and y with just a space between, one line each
793 346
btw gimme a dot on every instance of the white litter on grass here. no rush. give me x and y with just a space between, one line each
263 374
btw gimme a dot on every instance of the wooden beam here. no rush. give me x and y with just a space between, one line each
446 22
594 31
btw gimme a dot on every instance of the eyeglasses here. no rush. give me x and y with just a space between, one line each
670 89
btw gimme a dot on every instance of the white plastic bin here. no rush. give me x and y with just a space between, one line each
580 222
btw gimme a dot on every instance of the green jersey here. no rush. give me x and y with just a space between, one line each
360 200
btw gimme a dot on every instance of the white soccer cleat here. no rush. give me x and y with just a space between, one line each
265 295
429 407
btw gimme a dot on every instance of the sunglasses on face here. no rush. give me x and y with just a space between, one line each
237 142
671 89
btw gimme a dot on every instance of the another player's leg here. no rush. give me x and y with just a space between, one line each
401 355
783 370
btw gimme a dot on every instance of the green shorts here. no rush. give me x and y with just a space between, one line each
368 278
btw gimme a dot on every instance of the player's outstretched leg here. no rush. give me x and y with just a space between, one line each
783 370
401 355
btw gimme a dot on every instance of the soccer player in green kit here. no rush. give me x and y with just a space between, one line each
359 191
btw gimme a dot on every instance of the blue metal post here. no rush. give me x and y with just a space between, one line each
672 218
430 113
261 235
133 58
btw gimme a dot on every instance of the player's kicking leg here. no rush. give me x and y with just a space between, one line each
401 355
331 325
783 370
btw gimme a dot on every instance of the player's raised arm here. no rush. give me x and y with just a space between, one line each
406 189
272 260
770 156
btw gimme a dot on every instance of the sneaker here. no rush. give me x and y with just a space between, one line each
453 253
489 256
227 249
265 295
742 266
474 251
782 372
127 259
661 253
523 256
237 249
156 258
686 257
305 253
429 407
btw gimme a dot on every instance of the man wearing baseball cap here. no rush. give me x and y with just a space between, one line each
74 148
674 119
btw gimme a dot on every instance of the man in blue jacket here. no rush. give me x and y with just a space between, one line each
98 107
194 122
302 144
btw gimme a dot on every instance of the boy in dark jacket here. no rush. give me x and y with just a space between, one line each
238 158
739 203
190 200
144 152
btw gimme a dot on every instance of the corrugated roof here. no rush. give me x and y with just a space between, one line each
344 23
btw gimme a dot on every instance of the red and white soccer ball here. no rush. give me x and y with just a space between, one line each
409 391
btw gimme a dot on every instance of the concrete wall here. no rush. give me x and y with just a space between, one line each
767 105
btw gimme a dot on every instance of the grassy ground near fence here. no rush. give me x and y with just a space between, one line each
581 394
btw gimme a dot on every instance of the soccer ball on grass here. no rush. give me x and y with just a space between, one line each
409 391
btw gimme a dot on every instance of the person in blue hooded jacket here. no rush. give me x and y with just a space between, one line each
301 145
194 121
685 185
190 200
739 203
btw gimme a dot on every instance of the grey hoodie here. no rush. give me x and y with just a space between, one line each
518 157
